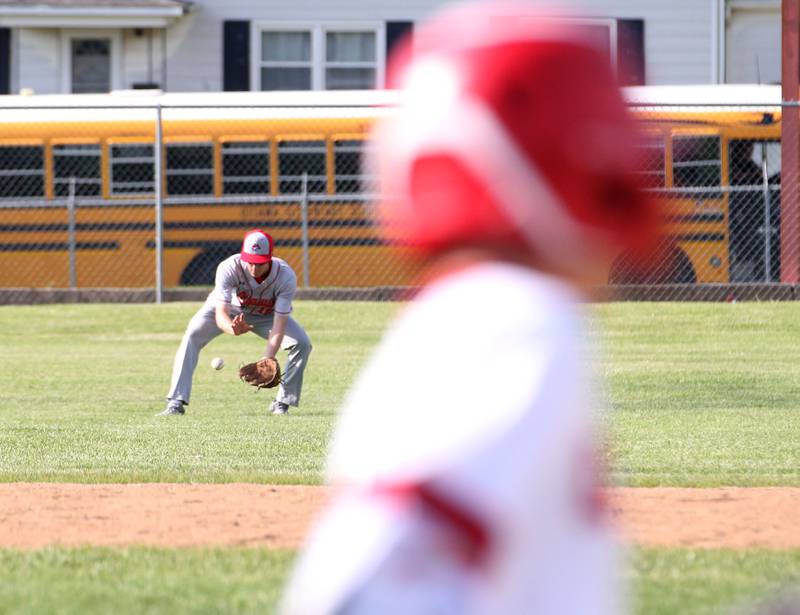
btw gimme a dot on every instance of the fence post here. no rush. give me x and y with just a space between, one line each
71 242
767 220
304 230
159 238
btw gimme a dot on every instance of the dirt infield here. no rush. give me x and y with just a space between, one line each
35 515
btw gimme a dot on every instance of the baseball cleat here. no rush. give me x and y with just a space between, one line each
173 408
278 407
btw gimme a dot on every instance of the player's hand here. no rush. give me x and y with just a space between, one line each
239 325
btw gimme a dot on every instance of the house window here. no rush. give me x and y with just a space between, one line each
318 56
621 40
349 60
285 60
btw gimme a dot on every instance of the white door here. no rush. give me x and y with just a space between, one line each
90 61
753 44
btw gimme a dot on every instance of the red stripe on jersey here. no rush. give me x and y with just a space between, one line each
473 535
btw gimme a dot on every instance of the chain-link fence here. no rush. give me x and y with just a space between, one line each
715 173
153 198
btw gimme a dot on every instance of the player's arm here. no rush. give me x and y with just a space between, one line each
235 326
276 335
224 288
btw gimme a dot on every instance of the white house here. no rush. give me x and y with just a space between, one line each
63 46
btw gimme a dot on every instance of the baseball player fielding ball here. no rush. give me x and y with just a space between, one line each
217 363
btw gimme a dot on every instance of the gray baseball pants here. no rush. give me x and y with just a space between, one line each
202 328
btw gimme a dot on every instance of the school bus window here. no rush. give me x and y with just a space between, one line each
348 157
80 162
132 169
245 167
696 161
650 153
190 169
21 171
298 157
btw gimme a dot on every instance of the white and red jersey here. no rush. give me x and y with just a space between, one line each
234 284
464 459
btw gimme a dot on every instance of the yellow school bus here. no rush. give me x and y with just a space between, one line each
711 156
78 185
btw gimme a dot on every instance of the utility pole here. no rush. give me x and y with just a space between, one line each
790 143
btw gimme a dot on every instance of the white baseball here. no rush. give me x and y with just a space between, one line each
217 363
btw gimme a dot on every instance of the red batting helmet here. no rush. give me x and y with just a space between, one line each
512 129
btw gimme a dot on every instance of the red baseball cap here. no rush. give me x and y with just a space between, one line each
257 247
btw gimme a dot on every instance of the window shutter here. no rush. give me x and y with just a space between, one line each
236 56
630 52
395 32
5 61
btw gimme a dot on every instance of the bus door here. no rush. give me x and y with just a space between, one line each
754 174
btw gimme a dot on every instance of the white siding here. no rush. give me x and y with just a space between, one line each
678 34
141 57
679 37
679 51
679 41
195 54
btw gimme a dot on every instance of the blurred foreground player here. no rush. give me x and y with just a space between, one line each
464 459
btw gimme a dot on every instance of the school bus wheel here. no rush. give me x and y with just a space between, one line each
670 265
202 268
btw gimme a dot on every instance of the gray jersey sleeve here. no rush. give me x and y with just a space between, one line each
287 287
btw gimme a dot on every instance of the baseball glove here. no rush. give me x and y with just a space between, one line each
263 374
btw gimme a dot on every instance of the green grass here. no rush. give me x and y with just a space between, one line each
702 394
94 581
141 580
705 582
81 385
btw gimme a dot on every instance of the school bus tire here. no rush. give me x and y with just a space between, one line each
202 268
671 266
